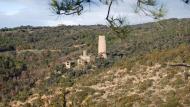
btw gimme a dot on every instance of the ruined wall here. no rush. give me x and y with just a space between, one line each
102 47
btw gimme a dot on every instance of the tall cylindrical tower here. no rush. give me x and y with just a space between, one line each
102 47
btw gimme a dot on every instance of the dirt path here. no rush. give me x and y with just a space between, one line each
35 51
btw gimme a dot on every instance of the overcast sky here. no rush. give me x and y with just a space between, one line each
37 13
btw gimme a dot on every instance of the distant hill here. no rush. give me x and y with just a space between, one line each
137 73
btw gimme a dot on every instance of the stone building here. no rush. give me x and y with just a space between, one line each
67 61
84 59
67 64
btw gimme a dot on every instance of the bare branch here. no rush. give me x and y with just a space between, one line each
180 65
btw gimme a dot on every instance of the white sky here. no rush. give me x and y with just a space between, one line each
37 13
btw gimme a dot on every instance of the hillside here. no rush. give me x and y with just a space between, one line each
140 70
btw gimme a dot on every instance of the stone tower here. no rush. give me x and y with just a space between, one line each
102 47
